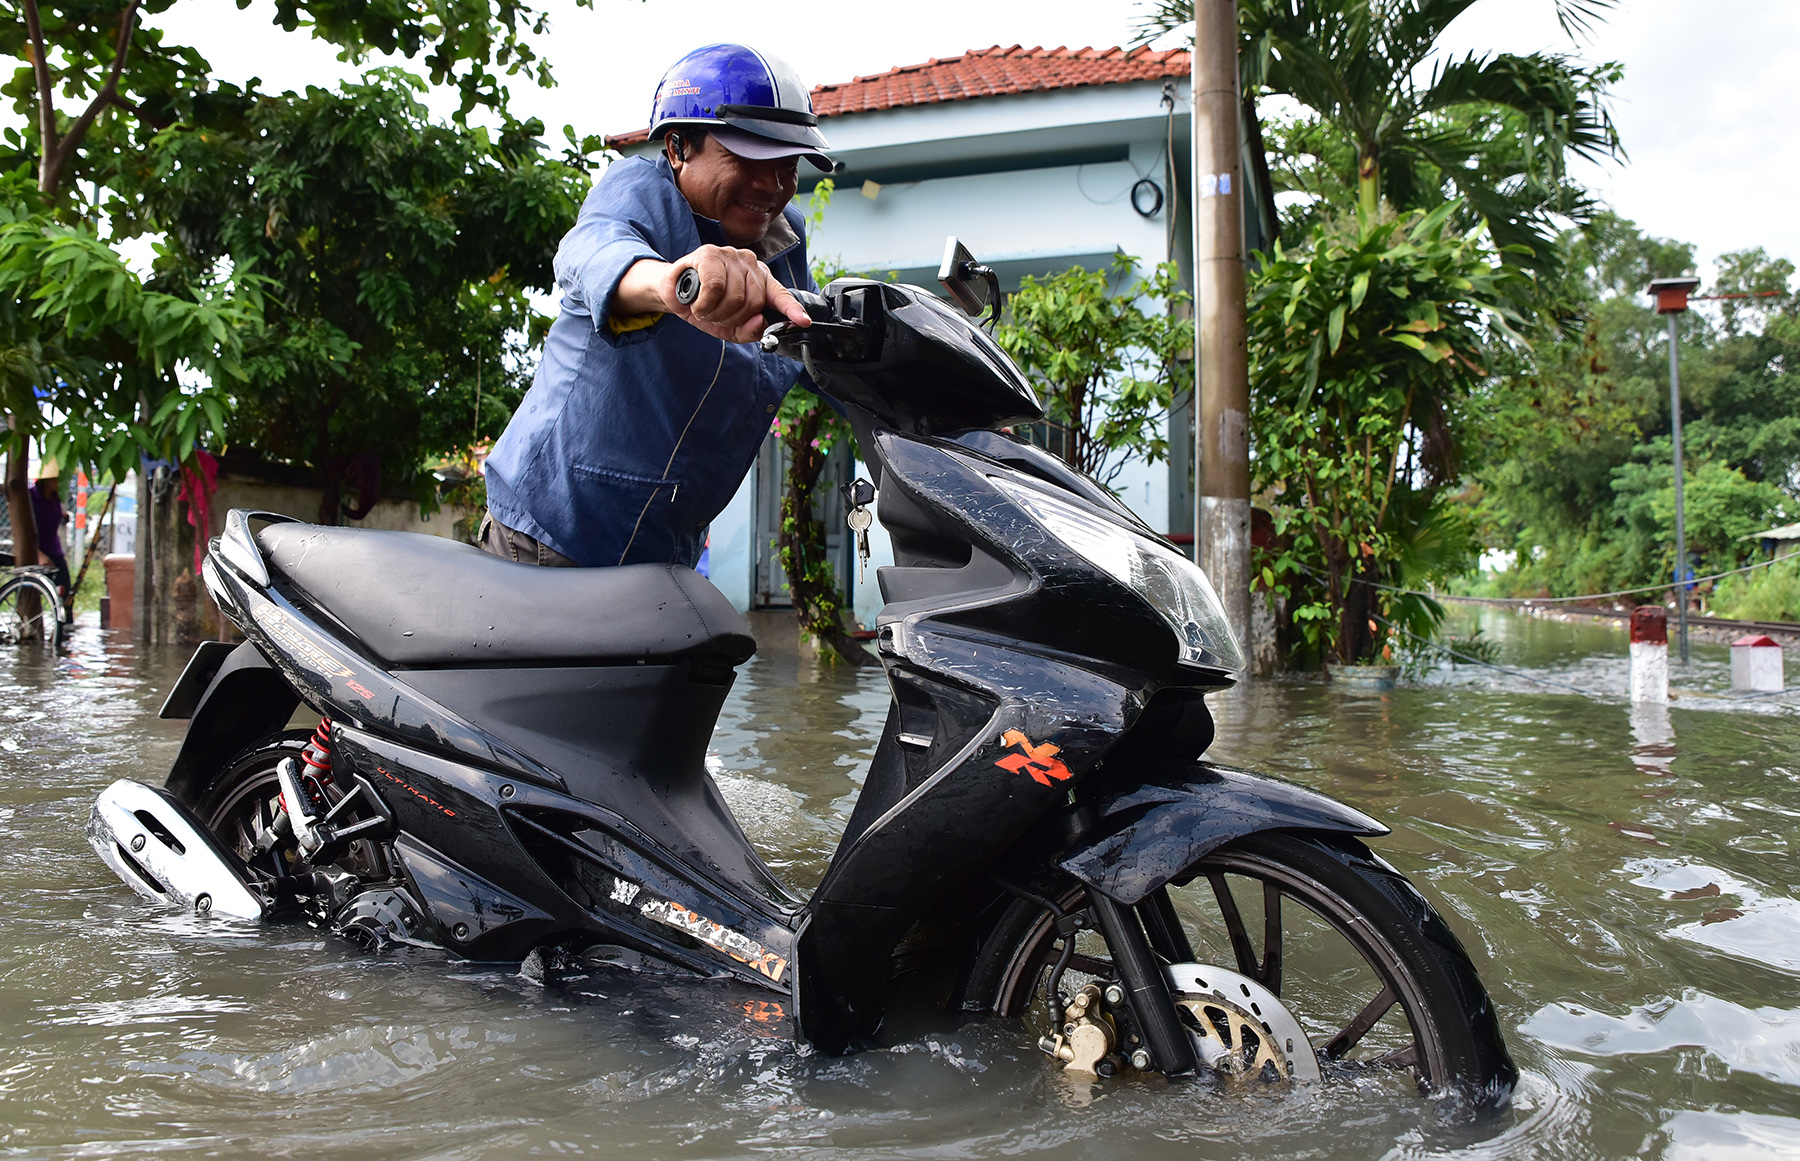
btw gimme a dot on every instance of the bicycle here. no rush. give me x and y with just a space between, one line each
31 607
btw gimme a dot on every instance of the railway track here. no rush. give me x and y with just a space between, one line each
1788 629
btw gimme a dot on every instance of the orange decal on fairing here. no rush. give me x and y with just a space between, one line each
1039 761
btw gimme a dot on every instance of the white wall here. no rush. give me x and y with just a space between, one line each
731 565
1048 219
1037 221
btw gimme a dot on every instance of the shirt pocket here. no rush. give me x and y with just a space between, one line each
640 514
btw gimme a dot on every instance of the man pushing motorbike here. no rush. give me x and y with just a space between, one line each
646 413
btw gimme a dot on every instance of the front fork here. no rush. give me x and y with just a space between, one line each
1141 977
1081 1036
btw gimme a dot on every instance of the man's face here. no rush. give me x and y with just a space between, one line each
743 196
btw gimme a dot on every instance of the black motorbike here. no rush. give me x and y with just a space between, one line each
509 763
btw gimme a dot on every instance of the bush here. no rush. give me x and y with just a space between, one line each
1770 594
1366 350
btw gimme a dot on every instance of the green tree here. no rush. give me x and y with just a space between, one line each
94 88
1581 486
1492 132
1104 359
395 255
809 429
90 355
121 83
1367 351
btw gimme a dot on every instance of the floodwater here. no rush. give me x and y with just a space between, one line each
1625 881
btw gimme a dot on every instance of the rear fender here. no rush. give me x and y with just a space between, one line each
1147 835
245 702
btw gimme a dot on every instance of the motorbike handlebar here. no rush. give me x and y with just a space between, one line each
687 289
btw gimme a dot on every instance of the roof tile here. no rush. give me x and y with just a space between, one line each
987 72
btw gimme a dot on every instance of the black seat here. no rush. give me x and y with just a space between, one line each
419 600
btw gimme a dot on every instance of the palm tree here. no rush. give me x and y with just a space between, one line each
1495 130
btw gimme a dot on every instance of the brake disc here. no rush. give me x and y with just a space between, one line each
1240 1028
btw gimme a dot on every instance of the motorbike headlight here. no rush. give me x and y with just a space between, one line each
1172 584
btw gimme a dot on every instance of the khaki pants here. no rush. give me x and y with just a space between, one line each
511 544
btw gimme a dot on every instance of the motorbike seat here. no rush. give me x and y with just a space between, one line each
417 600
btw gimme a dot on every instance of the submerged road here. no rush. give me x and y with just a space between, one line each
1623 877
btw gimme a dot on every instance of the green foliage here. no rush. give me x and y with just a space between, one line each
1493 133
395 256
1581 487
1419 655
1104 364
1721 505
1768 594
89 355
121 83
809 428
1366 354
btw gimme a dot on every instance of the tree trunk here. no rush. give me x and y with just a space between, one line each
1368 184
166 555
1356 640
812 581
18 503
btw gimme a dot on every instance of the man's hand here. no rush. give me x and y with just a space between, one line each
735 288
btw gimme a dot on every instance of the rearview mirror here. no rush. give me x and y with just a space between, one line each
976 288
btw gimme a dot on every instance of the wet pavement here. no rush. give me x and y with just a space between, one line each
1624 879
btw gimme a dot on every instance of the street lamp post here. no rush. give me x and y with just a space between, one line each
1672 300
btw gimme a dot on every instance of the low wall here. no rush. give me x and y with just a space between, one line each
303 503
168 606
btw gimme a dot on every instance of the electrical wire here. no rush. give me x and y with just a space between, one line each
1565 600
1426 641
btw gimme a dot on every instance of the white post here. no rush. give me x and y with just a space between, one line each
1756 664
1650 654
1681 561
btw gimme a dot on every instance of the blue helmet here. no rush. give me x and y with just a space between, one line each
733 87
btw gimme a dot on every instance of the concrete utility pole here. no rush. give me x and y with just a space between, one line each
1672 300
1221 366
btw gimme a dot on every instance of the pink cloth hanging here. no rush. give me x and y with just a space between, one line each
199 481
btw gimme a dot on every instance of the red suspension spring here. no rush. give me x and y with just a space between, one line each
318 752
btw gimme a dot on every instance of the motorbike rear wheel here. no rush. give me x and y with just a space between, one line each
240 806
1373 974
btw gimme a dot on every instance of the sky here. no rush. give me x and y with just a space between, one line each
1702 109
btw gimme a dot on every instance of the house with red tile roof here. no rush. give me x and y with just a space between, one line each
1038 159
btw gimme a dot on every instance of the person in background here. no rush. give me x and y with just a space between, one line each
46 506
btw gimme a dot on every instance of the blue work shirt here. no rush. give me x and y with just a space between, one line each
630 440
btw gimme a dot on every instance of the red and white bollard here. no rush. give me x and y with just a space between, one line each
1650 653
1756 664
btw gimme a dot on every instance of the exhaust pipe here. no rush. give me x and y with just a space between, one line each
164 853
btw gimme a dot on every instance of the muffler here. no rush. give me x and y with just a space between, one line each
167 855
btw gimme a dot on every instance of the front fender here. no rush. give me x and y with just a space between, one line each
1147 835
246 701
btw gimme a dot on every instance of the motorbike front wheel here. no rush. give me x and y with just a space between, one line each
1374 976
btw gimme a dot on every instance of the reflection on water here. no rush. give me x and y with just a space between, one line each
1765 1041
1707 1136
1622 876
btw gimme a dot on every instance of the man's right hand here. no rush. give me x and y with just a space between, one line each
735 288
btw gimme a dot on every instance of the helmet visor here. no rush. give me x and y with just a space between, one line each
752 145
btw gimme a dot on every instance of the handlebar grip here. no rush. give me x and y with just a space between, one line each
687 289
